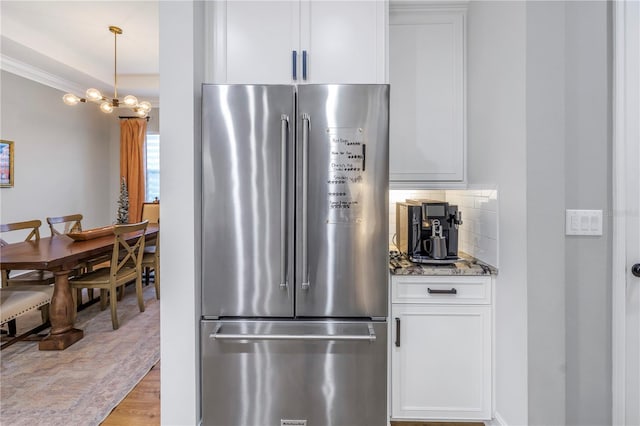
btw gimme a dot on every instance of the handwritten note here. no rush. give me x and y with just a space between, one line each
346 175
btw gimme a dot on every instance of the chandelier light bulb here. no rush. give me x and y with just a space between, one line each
130 101
145 106
70 99
94 94
106 107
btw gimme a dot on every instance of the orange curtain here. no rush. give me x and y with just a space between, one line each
132 136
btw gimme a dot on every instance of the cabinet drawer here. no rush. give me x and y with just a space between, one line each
475 290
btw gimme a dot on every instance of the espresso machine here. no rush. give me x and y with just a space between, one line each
427 231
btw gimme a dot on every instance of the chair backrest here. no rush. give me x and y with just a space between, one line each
34 235
72 223
151 212
132 251
34 225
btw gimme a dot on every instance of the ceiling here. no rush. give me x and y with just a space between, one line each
67 44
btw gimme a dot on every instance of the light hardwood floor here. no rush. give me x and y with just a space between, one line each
142 406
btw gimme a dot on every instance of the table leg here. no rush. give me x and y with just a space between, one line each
62 315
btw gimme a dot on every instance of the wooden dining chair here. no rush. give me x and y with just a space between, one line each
73 223
123 269
151 261
151 212
9 278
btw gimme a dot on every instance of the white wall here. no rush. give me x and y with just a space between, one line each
539 128
62 161
588 185
181 58
497 158
545 168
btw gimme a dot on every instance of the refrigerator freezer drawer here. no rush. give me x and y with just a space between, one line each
266 373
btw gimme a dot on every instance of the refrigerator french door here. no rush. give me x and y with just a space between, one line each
294 254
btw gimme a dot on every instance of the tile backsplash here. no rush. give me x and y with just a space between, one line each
478 235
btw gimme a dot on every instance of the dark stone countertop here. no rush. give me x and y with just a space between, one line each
400 264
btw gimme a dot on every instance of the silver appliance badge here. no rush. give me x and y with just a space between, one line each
288 422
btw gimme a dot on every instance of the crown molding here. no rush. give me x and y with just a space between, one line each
38 75
33 73
427 5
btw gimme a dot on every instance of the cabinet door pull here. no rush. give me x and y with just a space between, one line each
452 291
398 332
294 62
304 65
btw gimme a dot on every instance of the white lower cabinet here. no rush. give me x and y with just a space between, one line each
441 350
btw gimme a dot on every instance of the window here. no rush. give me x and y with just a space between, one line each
152 167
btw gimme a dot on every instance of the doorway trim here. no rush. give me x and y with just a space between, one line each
623 112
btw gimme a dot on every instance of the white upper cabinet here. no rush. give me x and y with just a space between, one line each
260 39
428 94
285 42
345 41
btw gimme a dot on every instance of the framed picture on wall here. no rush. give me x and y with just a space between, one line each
6 164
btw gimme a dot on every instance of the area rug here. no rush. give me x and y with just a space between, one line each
83 383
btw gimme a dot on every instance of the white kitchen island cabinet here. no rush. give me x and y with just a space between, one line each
287 42
427 73
441 366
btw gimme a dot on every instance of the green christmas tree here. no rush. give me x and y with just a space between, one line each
123 203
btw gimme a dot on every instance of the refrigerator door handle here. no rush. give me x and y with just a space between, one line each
369 337
305 188
284 135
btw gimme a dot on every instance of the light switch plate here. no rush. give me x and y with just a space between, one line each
583 222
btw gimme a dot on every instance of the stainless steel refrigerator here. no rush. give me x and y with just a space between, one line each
294 255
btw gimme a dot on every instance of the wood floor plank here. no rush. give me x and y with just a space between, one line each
142 406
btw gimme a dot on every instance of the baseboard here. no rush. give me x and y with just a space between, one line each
496 421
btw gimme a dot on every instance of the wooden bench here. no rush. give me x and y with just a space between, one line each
18 300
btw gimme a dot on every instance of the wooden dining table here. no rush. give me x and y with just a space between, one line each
61 255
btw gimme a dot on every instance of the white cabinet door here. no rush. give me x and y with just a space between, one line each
428 95
254 41
441 362
344 41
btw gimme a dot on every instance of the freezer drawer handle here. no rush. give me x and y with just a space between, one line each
452 291
305 188
371 337
284 134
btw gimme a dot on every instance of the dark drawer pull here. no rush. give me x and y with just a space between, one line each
398 332
452 291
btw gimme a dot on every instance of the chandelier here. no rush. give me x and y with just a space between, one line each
108 104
